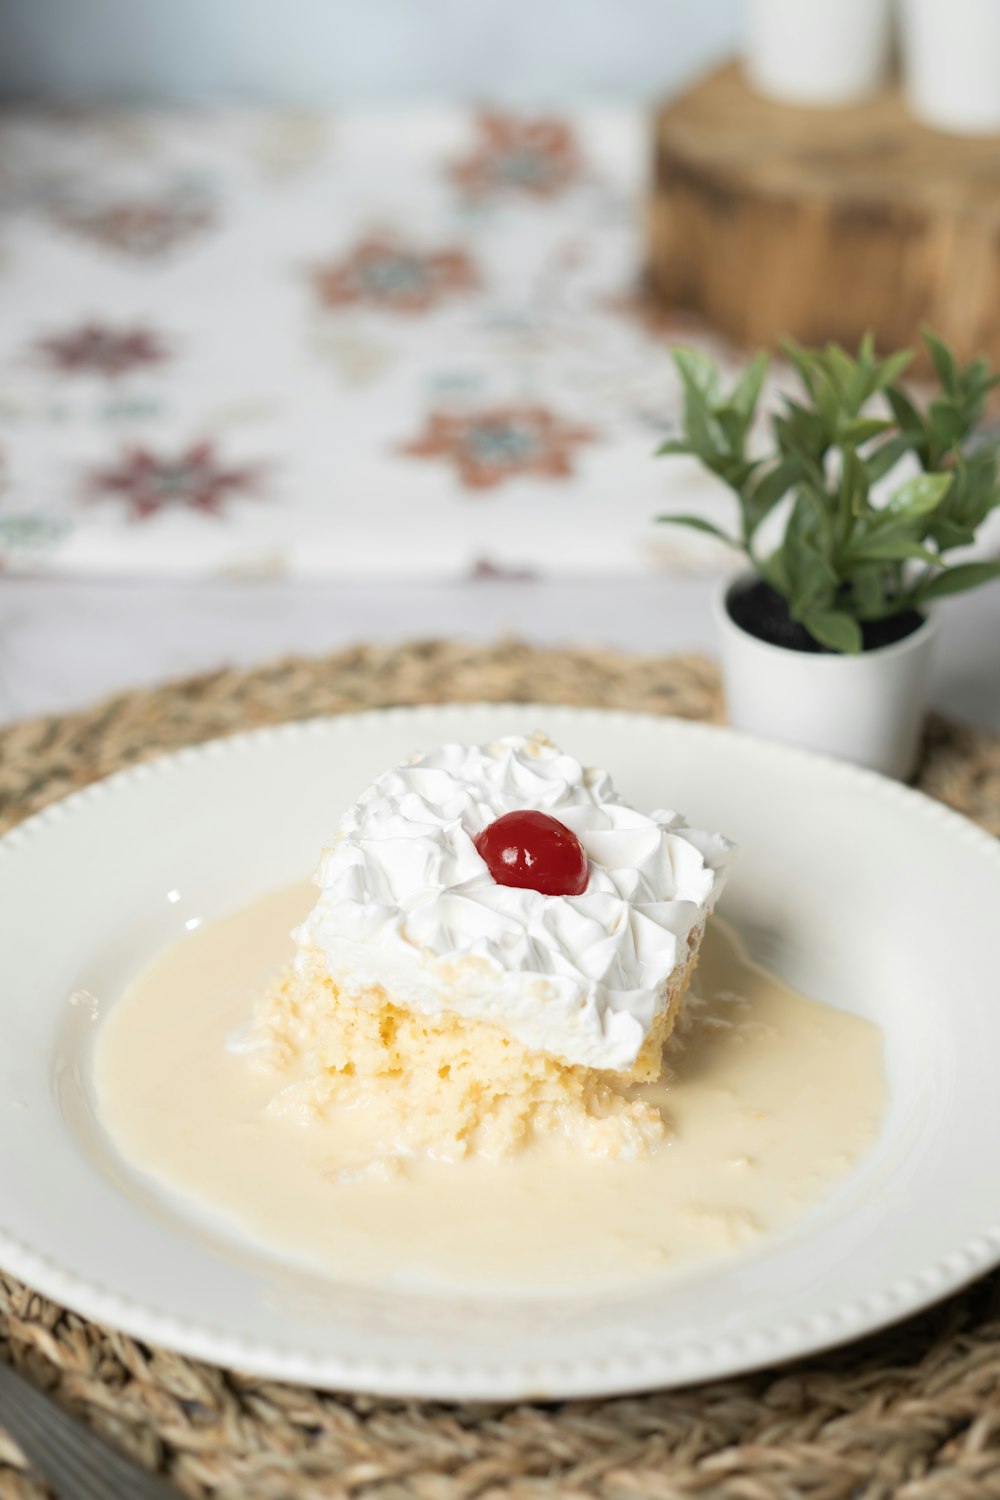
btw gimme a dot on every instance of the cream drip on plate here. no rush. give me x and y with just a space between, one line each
769 1099
408 904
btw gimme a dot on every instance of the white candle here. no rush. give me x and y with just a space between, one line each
818 52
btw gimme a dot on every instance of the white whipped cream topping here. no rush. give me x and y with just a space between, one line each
408 903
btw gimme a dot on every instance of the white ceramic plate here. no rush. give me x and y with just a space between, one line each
862 893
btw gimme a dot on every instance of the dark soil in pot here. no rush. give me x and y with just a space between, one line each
761 611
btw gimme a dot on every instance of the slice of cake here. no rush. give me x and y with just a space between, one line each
499 948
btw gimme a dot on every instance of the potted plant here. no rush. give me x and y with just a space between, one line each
826 640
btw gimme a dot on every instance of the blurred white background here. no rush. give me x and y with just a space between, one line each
312 53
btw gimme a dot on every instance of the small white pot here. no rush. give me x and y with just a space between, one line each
818 52
951 58
868 708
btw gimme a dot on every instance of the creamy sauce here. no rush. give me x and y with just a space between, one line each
770 1098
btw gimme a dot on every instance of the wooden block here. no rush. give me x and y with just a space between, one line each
770 220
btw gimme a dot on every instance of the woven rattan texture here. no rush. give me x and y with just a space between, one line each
913 1413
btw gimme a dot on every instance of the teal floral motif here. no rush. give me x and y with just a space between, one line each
190 480
21 532
385 273
498 443
538 158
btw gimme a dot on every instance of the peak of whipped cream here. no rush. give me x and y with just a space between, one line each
407 903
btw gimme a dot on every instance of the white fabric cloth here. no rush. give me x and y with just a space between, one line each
369 345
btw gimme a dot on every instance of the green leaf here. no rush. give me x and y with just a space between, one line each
701 432
893 367
736 472
941 357
810 577
773 571
747 391
674 446
868 589
895 549
854 487
733 425
802 434
834 628
821 506
861 429
903 410
697 371
805 362
865 375
843 374
700 380
698 523
947 424
769 489
887 455
830 401
955 581
948 534
919 496
974 494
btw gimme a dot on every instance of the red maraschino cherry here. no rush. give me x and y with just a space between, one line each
534 852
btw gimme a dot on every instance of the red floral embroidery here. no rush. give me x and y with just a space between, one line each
385 273
96 349
141 227
193 480
488 447
538 157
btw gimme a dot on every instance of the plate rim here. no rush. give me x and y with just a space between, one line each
514 1379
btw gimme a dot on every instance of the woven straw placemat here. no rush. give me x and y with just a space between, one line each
913 1413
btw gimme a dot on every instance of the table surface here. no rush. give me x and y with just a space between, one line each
907 1403
66 643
